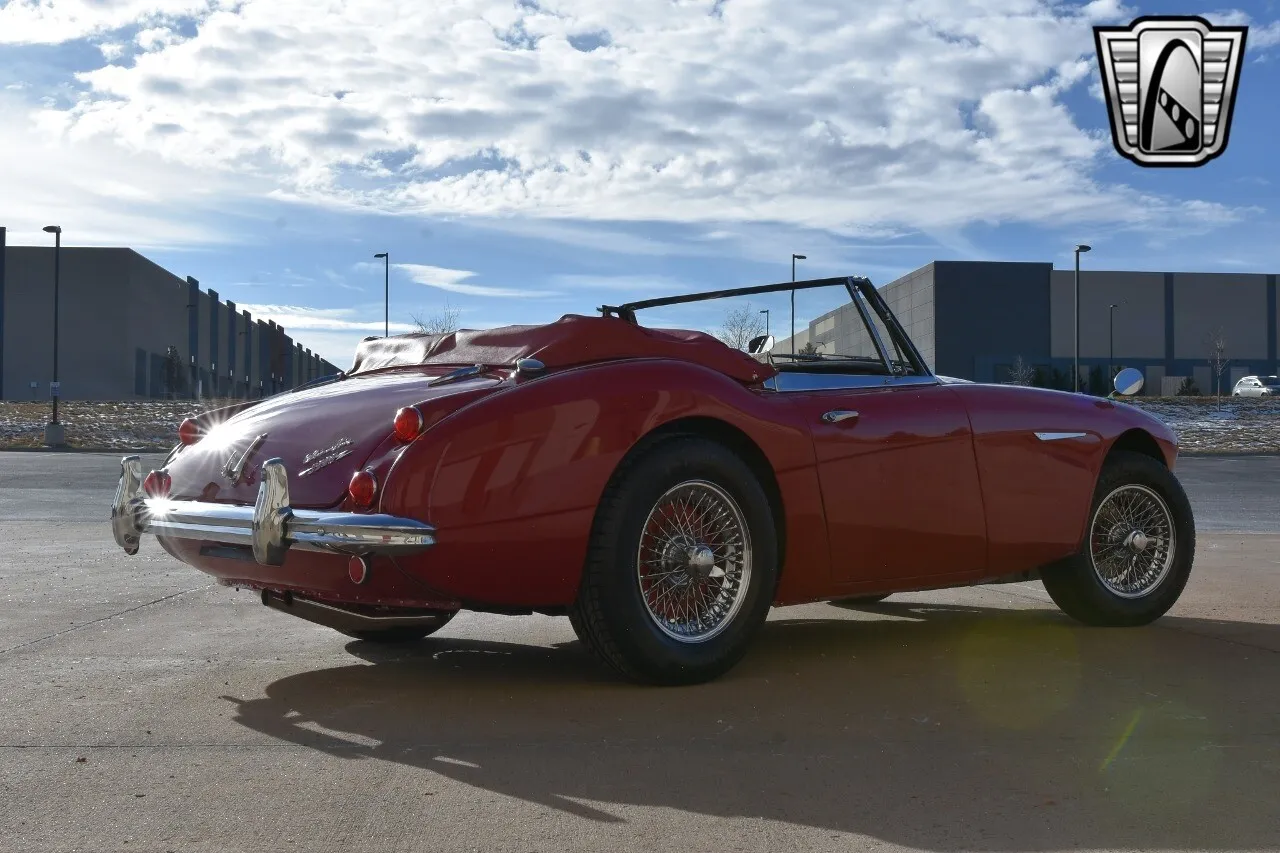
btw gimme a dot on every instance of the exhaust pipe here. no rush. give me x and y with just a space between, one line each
348 618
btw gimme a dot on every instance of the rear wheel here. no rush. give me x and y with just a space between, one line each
1138 548
403 633
682 564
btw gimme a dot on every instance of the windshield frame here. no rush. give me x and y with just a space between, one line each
862 293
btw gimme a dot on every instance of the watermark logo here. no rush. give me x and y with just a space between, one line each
1171 85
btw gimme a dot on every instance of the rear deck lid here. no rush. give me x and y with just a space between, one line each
322 434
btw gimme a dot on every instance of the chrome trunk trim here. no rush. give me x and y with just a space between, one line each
271 527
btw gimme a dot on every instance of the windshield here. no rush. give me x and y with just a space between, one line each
831 330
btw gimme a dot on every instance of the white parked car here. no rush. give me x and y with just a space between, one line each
1257 386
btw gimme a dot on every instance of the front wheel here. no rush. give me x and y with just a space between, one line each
682 564
1138 547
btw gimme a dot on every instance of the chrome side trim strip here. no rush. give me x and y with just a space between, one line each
271 526
1059 436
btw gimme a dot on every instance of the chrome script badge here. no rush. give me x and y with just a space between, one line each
317 459
1170 84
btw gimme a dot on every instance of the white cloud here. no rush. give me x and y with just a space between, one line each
55 21
102 195
1260 36
452 281
328 319
920 115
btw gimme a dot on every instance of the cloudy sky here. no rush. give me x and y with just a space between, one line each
523 159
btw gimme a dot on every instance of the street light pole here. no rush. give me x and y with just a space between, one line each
1111 352
53 435
386 284
1076 384
794 258
765 312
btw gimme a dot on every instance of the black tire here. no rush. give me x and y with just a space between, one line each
611 616
402 633
1077 588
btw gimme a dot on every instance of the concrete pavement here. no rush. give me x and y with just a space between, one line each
144 708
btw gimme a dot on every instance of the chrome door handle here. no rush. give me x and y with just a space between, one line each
837 415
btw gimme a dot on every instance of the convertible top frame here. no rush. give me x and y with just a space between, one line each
861 292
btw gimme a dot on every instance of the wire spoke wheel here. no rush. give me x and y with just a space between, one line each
1132 541
694 561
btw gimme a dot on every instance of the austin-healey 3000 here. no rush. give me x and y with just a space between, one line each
663 485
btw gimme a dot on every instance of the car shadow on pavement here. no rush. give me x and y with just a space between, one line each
933 727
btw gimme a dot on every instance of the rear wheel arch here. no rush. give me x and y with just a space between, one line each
725 433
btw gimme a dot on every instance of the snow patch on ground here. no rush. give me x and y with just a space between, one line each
1237 425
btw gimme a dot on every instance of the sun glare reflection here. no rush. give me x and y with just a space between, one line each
219 436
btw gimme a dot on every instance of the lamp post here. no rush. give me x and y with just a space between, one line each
386 284
1111 350
794 258
765 312
53 434
1080 248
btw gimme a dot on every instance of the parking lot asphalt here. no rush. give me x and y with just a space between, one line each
142 707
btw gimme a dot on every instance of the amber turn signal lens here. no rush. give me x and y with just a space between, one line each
362 488
189 431
408 423
157 484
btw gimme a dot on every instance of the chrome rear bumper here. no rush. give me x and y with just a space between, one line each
270 527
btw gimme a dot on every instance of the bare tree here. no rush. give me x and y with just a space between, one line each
442 322
1218 362
1021 373
741 324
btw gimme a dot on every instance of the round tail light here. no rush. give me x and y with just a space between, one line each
157 484
362 488
408 423
189 431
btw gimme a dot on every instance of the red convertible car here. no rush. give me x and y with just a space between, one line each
663 488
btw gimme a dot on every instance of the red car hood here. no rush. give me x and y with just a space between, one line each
351 417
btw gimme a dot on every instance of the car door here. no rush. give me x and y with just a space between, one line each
899 480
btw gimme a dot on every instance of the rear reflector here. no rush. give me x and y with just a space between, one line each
358 569
189 431
362 488
408 423
157 484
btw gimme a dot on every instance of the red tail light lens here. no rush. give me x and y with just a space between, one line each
358 569
189 431
363 488
408 423
157 484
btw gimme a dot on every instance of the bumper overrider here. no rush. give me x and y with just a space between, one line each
271 527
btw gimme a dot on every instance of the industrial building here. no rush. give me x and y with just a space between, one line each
128 329
976 319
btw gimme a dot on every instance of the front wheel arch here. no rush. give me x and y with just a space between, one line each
1136 440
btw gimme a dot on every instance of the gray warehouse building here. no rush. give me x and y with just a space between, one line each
975 319
129 329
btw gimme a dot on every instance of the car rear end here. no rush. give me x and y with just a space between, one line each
282 495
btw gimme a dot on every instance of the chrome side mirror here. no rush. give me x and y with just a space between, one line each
763 343
1128 382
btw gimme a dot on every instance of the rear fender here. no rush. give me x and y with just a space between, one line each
512 482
